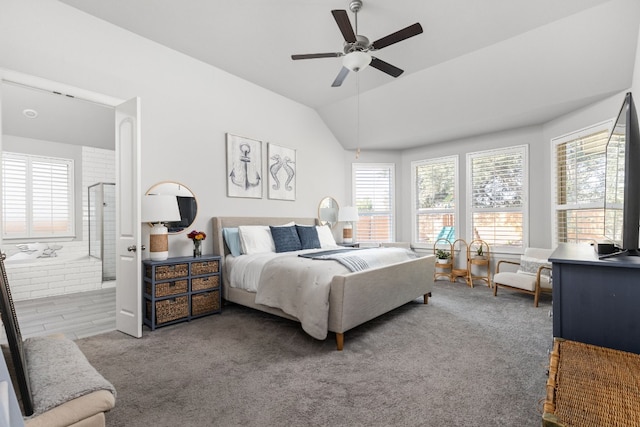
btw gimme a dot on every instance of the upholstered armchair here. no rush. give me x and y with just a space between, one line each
533 274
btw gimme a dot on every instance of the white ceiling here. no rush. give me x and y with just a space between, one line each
60 118
479 66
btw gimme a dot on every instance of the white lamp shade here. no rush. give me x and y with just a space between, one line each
348 214
160 208
356 61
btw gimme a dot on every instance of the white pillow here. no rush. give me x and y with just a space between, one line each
325 236
256 239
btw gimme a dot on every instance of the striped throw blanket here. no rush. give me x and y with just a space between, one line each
364 259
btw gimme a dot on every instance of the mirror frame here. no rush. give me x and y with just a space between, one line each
328 199
182 187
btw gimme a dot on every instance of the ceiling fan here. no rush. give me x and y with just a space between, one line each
356 53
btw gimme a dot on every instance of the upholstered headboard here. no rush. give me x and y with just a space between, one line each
220 222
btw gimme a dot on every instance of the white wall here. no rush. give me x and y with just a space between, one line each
187 106
635 87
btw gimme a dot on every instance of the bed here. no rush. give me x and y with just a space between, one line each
353 297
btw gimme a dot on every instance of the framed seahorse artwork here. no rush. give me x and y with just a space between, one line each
244 167
281 173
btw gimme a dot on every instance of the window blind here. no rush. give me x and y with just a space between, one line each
373 186
37 195
434 209
498 196
580 160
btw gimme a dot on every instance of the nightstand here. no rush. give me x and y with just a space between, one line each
180 289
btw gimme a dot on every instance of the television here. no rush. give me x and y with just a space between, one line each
622 182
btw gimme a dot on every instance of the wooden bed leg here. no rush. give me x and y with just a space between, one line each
339 341
426 297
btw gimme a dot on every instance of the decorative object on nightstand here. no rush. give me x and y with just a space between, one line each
197 237
348 214
180 289
158 209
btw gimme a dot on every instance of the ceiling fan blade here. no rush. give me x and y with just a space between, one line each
317 55
344 71
342 19
398 36
385 67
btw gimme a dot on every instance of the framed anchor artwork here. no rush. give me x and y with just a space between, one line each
244 167
281 173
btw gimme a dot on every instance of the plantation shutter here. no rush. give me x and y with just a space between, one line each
580 161
37 196
15 221
374 198
498 184
435 187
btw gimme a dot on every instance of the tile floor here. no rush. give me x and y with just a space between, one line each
76 315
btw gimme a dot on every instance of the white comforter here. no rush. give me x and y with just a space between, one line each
296 285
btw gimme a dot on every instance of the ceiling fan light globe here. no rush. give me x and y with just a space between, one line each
356 61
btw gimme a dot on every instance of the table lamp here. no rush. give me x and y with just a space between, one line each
348 214
158 209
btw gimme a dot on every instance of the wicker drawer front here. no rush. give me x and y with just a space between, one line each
165 272
204 267
169 309
169 288
202 283
205 302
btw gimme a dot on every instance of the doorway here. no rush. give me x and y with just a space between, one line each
80 103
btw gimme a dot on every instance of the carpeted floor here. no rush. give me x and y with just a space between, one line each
465 359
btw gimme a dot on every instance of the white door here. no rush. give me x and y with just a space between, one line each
128 227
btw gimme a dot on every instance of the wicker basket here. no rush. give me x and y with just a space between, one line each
202 283
591 386
169 309
165 272
204 267
206 302
168 288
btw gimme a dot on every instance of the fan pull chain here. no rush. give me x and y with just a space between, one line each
357 112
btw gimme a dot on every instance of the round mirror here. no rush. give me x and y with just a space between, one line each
187 204
328 212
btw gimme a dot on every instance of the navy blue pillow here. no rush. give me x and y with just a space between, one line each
285 238
308 236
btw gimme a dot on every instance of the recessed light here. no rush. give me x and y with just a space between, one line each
30 113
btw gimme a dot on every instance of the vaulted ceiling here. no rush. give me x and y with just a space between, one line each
479 66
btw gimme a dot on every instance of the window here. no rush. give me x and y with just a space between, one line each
37 196
497 197
435 186
579 160
373 193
